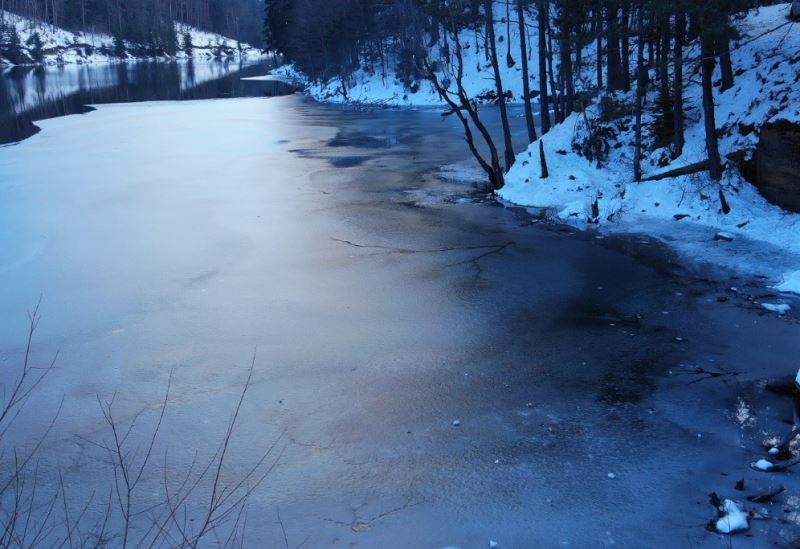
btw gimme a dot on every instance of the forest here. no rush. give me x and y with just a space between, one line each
582 47
147 21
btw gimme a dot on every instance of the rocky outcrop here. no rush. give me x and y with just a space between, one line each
795 13
778 164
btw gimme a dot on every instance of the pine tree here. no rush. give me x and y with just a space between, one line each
188 47
119 46
10 44
34 43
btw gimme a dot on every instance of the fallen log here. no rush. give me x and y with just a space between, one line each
766 496
677 172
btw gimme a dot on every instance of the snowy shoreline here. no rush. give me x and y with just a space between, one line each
63 47
756 237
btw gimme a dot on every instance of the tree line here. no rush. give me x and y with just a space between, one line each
631 46
147 21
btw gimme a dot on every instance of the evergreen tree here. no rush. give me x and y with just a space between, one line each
119 47
188 47
11 45
34 43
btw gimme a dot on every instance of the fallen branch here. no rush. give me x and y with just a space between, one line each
677 172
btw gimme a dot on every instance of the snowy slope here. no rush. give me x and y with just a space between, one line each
686 211
209 44
382 87
61 46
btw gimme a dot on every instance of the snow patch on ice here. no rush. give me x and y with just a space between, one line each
734 520
779 308
791 282
764 465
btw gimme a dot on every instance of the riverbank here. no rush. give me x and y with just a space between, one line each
728 223
57 46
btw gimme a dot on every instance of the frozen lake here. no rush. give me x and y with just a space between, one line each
385 305
28 94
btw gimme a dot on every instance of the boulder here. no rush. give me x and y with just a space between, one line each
778 164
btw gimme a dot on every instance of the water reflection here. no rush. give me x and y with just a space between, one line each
33 93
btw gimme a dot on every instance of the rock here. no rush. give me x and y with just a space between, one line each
726 237
795 11
778 163
456 423
492 544
678 217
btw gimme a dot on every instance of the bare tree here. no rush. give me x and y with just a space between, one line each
526 85
488 6
36 510
466 110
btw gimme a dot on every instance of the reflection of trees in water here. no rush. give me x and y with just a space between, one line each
40 77
190 73
28 94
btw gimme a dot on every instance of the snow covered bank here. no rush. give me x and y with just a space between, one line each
685 211
207 45
379 84
61 46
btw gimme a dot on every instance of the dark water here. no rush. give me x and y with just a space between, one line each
28 94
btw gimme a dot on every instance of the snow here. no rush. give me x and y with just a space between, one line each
734 520
209 44
791 282
63 47
684 211
764 465
780 308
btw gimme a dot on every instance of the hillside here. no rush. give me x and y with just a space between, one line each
60 46
684 210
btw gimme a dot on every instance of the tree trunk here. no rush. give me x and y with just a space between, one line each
726 67
567 82
544 115
677 85
464 104
641 82
526 85
501 96
545 173
714 162
556 102
625 47
598 30
663 65
614 63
